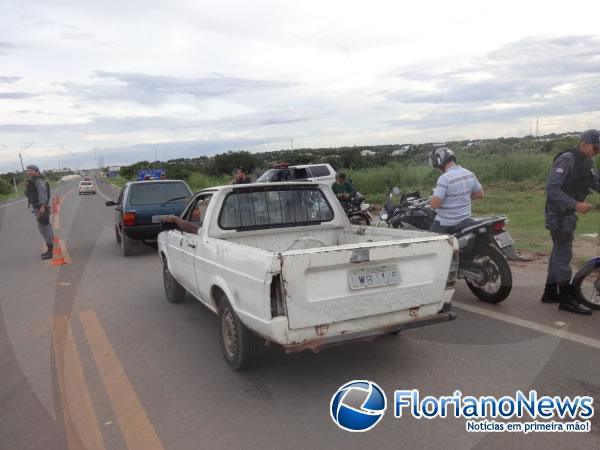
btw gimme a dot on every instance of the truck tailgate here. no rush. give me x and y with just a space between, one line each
333 284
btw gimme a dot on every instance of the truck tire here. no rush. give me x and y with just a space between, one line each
174 292
238 344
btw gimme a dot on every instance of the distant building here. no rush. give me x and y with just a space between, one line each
367 153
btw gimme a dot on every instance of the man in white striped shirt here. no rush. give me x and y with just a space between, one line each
453 193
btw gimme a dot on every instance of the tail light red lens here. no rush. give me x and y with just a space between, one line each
498 226
128 218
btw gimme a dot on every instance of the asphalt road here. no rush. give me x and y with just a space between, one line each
92 356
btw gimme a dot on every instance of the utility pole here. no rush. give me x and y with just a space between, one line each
21 155
155 154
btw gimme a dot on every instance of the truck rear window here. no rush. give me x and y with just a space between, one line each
274 207
156 193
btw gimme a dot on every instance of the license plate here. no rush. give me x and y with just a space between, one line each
156 219
504 239
373 277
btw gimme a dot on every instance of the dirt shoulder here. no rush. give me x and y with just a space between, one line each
584 248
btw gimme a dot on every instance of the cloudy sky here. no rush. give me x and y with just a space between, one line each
192 77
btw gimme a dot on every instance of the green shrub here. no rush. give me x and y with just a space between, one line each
5 187
199 181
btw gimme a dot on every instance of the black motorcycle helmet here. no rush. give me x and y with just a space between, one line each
439 157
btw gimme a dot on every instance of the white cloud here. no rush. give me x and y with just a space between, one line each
113 74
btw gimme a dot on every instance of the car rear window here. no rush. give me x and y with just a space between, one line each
157 193
274 207
86 183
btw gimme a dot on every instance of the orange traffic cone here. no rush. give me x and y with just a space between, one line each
57 255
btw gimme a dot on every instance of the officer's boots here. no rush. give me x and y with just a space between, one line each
48 253
568 302
550 294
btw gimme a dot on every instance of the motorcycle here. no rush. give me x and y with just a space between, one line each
586 284
394 207
484 247
356 209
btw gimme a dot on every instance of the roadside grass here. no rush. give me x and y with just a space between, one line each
523 204
198 181
118 181
21 192
18 194
513 182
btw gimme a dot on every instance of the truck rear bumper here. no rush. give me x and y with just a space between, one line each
319 343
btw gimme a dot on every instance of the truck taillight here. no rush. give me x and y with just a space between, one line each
453 272
129 218
277 303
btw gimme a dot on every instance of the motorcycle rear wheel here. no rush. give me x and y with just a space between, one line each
586 285
498 290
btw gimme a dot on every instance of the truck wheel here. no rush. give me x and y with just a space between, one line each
127 245
237 342
174 292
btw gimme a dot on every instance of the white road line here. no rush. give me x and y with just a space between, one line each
105 197
13 203
580 339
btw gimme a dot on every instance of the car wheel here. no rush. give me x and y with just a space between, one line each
117 235
174 292
127 245
238 344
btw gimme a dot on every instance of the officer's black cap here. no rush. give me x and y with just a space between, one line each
591 137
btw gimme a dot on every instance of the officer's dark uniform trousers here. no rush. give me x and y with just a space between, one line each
570 180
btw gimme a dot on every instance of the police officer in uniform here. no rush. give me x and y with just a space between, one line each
572 176
37 191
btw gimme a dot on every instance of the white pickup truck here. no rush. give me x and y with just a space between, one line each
281 263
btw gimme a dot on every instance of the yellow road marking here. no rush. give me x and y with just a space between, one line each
133 421
78 411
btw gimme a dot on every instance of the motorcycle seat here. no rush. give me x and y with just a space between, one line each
468 225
